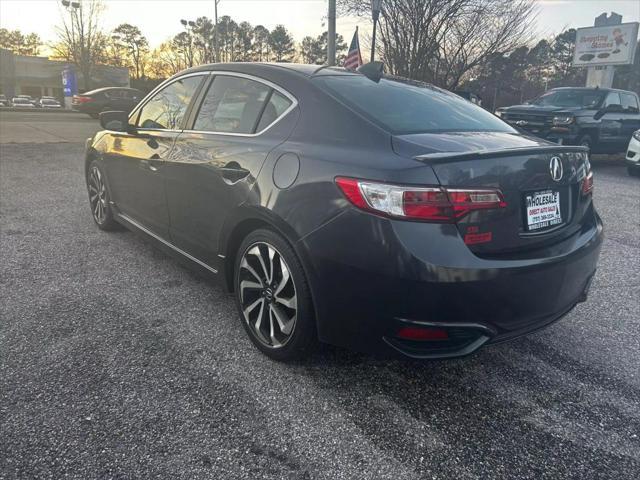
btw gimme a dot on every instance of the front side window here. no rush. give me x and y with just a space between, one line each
167 108
232 105
612 99
404 107
629 102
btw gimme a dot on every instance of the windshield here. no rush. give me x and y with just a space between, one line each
570 98
403 106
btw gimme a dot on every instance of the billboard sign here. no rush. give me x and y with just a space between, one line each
69 82
610 45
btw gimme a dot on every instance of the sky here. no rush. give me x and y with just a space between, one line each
160 19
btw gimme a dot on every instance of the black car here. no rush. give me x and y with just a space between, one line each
601 119
106 99
372 213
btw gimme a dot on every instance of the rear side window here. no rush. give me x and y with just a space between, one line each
167 108
629 102
232 105
404 107
276 106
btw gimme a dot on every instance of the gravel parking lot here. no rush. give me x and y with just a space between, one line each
116 362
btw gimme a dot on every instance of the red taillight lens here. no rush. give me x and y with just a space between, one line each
81 99
428 204
417 333
351 190
432 204
587 184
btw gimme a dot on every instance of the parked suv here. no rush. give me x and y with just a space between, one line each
601 119
105 99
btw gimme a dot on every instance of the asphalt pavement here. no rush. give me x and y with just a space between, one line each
116 362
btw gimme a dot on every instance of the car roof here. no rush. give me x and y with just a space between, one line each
106 89
592 89
257 68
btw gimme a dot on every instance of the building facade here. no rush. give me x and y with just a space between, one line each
39 76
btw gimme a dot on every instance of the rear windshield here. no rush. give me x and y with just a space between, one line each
403 106
570 98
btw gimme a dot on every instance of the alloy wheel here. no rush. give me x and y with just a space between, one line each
267 295
97 195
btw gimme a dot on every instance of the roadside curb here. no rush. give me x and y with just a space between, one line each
39 110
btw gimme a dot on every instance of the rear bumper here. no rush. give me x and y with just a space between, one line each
371 276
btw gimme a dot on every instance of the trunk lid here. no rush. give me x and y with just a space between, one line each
523 169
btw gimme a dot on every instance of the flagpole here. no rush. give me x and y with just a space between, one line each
331 34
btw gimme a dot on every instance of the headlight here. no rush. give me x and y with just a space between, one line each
563 120
636 135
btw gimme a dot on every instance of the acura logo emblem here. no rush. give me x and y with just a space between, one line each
521 123
555 168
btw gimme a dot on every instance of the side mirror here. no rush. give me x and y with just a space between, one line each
116 121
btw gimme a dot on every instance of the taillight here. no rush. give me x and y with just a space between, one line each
431 204
81 99
587 184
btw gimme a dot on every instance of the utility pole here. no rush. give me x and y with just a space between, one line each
331 36
375 13
215 31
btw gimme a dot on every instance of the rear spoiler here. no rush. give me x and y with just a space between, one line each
444 157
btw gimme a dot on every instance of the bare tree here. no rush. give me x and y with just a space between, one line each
80 38
441 41
165 61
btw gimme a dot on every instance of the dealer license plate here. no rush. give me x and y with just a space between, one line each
543 209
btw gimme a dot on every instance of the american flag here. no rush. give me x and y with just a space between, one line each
354 59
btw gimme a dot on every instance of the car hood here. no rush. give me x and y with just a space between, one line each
539 109
461 142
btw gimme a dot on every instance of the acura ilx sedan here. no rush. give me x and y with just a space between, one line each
351 208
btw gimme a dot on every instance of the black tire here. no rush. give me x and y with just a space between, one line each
633 171
586 141
99 198
270 299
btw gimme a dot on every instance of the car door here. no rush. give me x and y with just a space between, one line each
115 100
135 160
213 165
611 121
631 116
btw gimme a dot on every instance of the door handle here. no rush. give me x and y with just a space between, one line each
233 173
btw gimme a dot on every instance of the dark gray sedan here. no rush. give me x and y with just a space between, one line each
353 208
